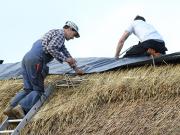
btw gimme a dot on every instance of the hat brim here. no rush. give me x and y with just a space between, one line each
77 35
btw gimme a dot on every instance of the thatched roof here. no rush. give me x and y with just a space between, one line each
130 101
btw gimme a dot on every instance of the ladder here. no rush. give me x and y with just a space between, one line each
69 82
22 122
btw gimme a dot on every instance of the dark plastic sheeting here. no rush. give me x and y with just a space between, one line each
91 65
1 61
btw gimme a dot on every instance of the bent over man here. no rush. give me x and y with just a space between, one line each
151 42
35 69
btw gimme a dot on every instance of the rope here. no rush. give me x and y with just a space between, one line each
153 60
125 51
165 62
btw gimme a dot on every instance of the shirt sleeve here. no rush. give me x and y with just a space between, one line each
47 37
65 52
130 29
55 48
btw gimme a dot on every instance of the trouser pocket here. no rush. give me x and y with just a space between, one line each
42 69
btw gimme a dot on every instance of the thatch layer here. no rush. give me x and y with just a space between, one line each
137 101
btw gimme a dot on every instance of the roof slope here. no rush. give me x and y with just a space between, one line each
137 101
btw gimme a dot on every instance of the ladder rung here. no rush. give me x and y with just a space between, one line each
7 131
65 85
15 120
78 80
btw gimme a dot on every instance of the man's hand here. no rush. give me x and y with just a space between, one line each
79 71
116 57
72 64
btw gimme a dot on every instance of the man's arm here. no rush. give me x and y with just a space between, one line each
65 51
121 43
58 50
54 48
54 51
72 64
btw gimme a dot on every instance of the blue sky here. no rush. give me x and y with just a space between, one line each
101 23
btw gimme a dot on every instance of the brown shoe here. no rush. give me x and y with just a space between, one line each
8 111
18 112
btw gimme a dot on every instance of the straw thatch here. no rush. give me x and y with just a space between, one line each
134 101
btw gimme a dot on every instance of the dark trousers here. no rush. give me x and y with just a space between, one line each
141 48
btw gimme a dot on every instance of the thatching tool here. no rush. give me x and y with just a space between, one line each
69 82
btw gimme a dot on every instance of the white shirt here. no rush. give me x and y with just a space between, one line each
144 31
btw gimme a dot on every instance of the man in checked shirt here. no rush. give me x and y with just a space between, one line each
35 69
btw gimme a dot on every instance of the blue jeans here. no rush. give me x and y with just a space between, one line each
26 99
34 71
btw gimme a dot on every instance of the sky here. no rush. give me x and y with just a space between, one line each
101 23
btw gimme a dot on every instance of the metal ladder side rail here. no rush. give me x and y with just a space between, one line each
33 110
27 118
5 124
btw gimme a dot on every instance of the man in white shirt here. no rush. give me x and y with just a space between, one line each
150 41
